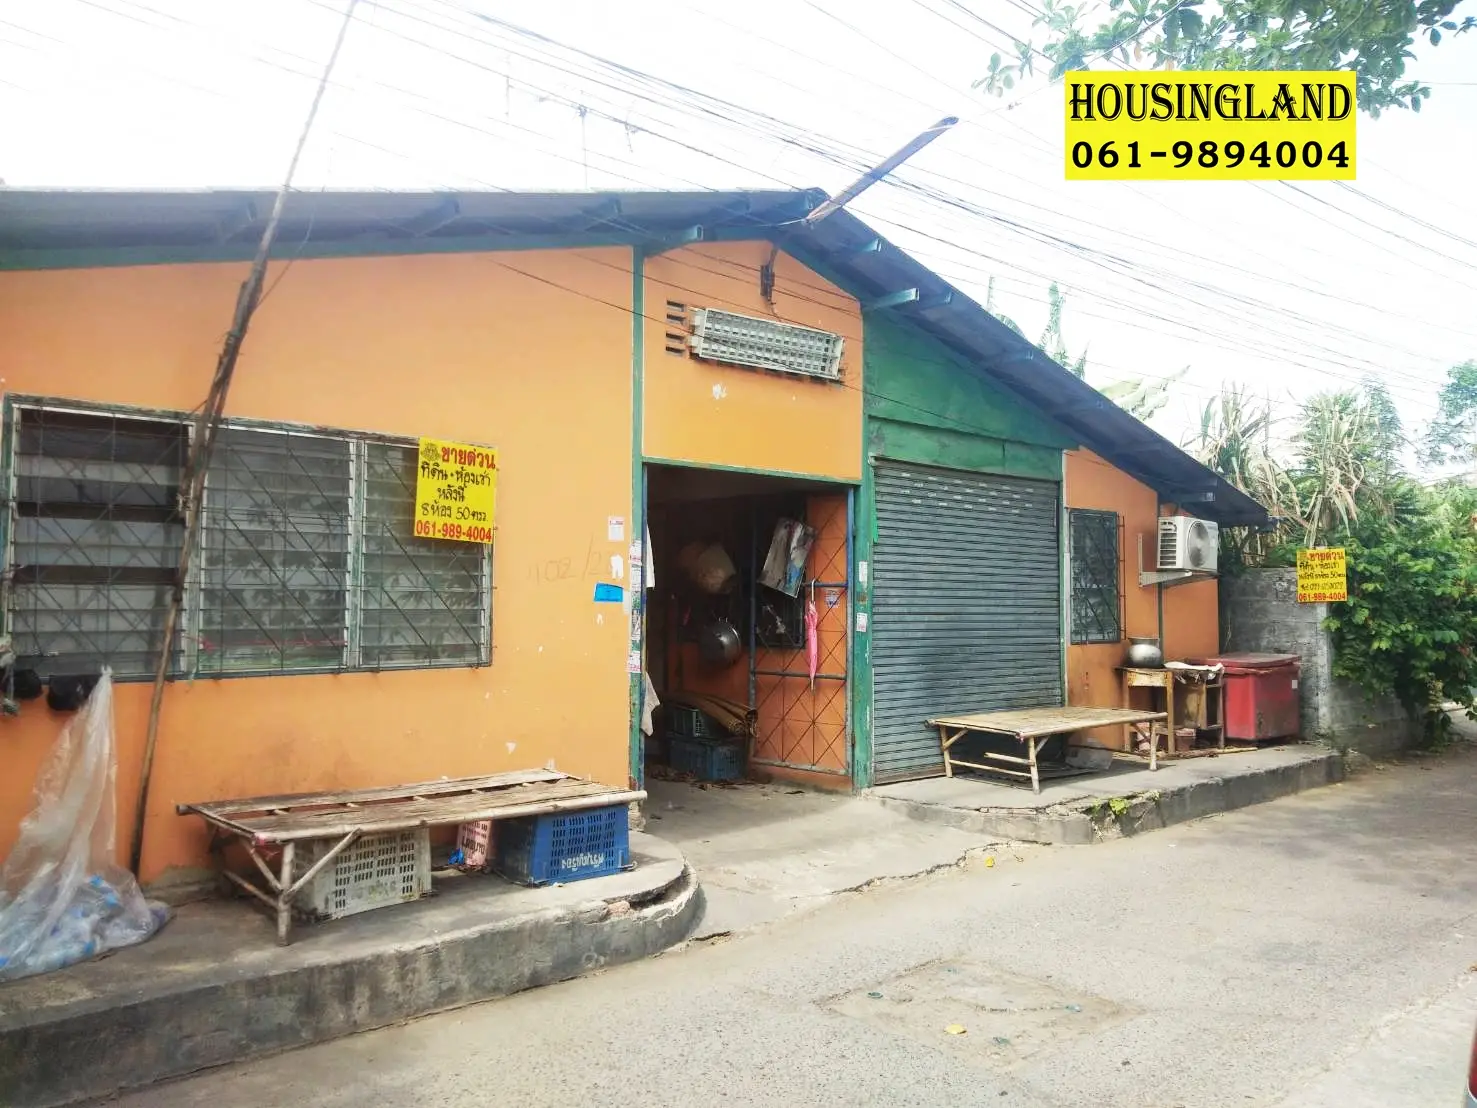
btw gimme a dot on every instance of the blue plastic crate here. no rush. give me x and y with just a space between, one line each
706 759
540 850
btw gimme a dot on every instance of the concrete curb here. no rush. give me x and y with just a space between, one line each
1083 822
69 1054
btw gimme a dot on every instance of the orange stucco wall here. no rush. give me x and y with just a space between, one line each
458 346
702 413
1191 615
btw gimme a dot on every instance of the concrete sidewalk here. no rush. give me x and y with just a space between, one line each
764 852
213 987
1125 800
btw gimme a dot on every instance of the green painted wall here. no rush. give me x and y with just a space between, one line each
915 381
925 404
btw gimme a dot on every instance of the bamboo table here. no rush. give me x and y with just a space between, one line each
1028 726
281 822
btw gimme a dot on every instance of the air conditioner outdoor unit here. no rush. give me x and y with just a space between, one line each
1188 544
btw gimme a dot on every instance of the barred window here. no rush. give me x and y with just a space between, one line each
421 601
305 561
1096 603
95 537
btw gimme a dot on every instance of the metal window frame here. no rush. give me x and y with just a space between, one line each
14 405
484 622
345 438
355 442
1096 637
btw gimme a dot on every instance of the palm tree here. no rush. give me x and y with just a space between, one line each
1347 459
1235 440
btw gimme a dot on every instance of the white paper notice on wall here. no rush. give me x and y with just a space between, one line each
617 567
615 528
861 621
633 662
861 573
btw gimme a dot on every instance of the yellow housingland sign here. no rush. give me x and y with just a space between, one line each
1257 126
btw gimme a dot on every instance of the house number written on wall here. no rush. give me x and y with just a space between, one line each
455 491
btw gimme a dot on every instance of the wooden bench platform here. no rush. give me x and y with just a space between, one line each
267 823
1028 726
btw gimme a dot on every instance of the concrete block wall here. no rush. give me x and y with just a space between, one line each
1260 612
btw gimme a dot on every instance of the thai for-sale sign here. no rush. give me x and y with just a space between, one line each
1323 575
455 491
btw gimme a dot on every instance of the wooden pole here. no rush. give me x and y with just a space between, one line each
207 424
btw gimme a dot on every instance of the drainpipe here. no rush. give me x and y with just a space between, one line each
1159 587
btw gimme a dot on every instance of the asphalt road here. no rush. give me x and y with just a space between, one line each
1316 952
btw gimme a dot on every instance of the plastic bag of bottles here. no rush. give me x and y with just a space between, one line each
63 899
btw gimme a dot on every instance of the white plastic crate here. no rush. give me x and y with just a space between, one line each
374 872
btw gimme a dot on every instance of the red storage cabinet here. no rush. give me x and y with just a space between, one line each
1261 695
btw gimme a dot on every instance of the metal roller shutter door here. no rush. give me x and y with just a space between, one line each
966 605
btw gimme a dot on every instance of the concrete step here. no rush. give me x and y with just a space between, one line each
213 987
1110 805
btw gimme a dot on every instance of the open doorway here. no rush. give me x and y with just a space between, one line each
751 685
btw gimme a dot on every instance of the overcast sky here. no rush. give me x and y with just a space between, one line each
1287 289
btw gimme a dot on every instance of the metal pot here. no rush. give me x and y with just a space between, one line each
719 644
1145 654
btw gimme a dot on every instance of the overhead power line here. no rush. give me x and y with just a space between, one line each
202 442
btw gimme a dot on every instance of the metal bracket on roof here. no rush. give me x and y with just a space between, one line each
242 218
937 300
433 219
1148 578
890 300
603 212
742 206
685 237
1183 498
871 246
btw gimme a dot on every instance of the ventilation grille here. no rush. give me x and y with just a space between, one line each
678 326
1169 544
765 344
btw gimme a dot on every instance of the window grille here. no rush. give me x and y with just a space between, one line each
274 557
305 563
95 537
422 603
1096 602
765 344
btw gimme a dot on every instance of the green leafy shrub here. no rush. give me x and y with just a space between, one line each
1410 623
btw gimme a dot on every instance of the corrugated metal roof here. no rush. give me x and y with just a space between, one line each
841 246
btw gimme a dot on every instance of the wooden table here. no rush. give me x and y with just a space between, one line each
1164 679
1028 726
269 822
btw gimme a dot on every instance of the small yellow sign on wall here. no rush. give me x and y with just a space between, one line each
455 491
1323 576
